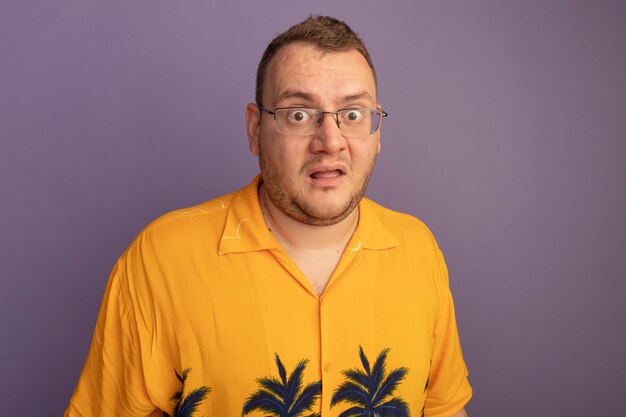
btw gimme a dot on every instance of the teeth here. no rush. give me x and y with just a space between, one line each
326 174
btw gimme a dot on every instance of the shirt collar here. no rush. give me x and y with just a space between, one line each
372 230
245 229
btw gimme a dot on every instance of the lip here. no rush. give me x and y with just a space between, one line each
327 176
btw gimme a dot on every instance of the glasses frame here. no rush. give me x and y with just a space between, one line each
381 113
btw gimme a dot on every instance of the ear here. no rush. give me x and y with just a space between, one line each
253 126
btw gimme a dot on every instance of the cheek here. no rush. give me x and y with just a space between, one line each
364 156
283 156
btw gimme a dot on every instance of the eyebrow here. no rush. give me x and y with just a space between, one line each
359 96
294 94
309 97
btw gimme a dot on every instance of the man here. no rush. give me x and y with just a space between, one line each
295 295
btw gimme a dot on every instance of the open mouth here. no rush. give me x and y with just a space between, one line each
333 173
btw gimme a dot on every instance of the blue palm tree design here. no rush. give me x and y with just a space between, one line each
368 389
188 404
284 397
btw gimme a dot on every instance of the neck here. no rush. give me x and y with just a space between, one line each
305 236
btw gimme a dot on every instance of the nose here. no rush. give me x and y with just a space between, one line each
328 138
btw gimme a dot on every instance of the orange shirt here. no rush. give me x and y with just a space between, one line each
205 303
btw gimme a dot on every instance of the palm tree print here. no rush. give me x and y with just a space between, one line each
187 405
368 390
284 397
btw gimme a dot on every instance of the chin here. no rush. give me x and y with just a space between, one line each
325 214
322 221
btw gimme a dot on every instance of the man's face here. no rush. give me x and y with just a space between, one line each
317 179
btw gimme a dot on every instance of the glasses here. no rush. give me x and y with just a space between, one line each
301 121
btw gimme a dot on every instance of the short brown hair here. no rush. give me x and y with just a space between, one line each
324 32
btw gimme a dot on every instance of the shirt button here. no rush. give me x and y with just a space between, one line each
327 366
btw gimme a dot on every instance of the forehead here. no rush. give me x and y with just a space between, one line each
304 72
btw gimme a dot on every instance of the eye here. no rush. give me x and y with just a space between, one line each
298 116
353 115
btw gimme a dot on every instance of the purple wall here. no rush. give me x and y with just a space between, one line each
507 136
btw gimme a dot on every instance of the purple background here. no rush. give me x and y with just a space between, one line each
506 136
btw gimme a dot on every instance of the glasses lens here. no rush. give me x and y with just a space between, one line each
297 121
375 121
359 122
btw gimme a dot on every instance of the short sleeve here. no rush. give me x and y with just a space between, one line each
111 382
448 388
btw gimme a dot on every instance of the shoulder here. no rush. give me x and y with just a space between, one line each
407 229
207 213
415 251
414 242
182 228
